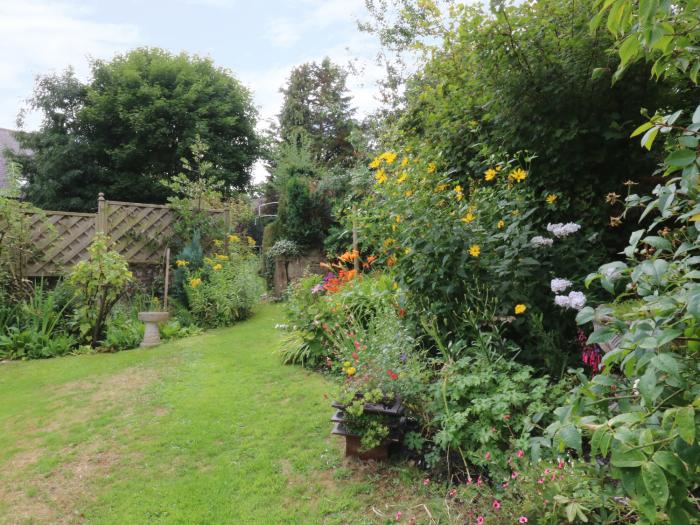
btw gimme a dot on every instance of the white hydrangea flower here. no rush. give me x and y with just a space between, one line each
562 301
559 285
612 274
540 241
577 300
563 230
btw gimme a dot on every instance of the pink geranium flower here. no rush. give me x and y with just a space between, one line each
522 519
398 516
452 493
540 481
426 482
480 520
520 453
514 475
488 456
496 504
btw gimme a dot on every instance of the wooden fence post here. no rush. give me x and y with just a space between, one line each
101 217
227 226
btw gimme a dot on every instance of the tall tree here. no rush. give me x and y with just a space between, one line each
317 104
132 125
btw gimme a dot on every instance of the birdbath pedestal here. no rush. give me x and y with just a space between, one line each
151 336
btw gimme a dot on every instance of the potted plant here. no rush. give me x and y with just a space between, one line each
370 421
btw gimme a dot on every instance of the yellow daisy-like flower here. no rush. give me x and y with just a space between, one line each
181 262
408 251
251 241
346 364
458 192
389 157
551 198
222 257
402 177
404 162
499 168
393 227
469 217
432 167
218 242
351 371
520 309
440 187
375 163
518 175
501 224
395 285
474 250
380 176
216 267
408 193
388 242
233 238
196 281
490 174
398 219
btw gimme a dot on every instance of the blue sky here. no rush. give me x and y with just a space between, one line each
258 41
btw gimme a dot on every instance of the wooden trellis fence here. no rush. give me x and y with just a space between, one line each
139 232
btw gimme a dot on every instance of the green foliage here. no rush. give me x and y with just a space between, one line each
123 331
304 214
316 109
99 282
130 125
225 289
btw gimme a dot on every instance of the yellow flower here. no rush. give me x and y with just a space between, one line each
380 176
408 193
388 242
520 309
395 285
474 250
469 217
346 364
251 241
518 175
458 192
389 157
695 218
393 227
181 262
196 281
216 267
432 167
375 163
499 168
218 242
404 161
551 198
440 187
233 238
407 251
501 224
222 257
402 177
208 260
515 213
490 174
351 371
398 219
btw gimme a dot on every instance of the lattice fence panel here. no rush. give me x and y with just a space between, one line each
140 231
60 245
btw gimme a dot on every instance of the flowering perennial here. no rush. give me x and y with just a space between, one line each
563 230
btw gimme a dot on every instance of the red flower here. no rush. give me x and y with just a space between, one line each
506 417
520 453
452 493
393 375
357 345
355 356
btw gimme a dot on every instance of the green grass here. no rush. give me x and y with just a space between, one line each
210 429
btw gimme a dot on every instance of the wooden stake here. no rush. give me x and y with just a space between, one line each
354 239
167 278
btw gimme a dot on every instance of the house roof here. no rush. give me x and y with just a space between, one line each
8 141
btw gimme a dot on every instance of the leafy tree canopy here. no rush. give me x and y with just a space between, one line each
130 127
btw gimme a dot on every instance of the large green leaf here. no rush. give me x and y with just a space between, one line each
681 158
655 483
626 456
685 421
670 463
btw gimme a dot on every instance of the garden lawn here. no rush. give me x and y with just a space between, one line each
210 429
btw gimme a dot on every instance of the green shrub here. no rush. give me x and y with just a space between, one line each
98 282
226 288
124 331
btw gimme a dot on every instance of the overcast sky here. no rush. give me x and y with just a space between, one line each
259 41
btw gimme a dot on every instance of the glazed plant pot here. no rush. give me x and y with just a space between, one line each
390 413
151 335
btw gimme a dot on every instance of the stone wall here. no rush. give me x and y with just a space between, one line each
305 264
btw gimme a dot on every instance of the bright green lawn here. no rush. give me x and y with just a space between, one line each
210 429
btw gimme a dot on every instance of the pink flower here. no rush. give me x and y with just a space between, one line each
496 504
398 516
426 482
357 345
522 519
478 481
506 417
480 520
554 476
561 464
514 475
504 485
547 471
540 481
488 456
469 480
520 453
452 493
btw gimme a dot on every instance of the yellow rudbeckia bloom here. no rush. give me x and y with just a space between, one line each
474 250
520 309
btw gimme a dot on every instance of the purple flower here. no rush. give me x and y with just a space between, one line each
317 289
403 357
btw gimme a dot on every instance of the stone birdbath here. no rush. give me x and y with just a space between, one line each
151 334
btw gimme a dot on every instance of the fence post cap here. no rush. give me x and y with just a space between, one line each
100 196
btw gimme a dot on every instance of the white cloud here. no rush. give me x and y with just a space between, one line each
40 36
